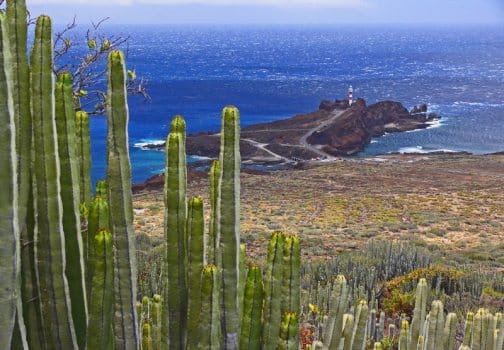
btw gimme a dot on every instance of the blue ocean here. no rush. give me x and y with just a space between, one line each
274 72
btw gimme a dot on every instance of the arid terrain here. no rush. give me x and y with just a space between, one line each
452 204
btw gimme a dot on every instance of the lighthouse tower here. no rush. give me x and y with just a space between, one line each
350 95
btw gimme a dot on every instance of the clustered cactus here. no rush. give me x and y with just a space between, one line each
69 278
344 327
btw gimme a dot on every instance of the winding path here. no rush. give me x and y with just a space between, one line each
303 141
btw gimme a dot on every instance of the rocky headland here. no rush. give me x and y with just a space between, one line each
334 130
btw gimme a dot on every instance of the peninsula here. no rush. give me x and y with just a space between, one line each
335 129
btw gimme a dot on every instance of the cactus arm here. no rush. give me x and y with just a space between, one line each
146 337
213 228
450 330
337 308
242 277
83 147
291 281
65 126
50 256
436 326
272 291
156 311
348 322
359 331
210 327
9 224
250 338
101 305
499 342
120 207
98 219
419 312
468 329
403 336
229 225
289 332
175 297
195 231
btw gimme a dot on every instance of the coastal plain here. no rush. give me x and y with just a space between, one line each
453 204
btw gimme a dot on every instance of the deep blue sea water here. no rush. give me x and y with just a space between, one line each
276 72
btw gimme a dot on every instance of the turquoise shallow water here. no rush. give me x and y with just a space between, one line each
276 72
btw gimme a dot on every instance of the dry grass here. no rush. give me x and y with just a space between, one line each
450 203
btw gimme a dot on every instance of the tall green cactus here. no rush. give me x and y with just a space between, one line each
59 332
229 225
435 330
273 291
450 330
101 311
359 332
348 324
175 297
196 258
69 182
213 227
289 332
156 313
210 326
28 305
251 328
83 146
9 225
291 289
419 312
468 329
120 207
403 336
337 307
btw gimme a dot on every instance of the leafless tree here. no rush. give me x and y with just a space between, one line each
89 70
84 56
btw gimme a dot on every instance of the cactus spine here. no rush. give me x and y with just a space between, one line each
175 297
229 225
272 291
65 126
120 207
59 332
195 230
9 224
83 146
101 312
250 338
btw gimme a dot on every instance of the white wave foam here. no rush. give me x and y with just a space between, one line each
477 104
145 143
420 149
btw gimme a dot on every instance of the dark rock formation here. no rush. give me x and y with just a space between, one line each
352 132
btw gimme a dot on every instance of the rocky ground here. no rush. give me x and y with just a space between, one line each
453 204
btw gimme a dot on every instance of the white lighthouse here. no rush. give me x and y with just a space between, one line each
350 96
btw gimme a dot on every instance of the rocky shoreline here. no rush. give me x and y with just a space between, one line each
334 130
